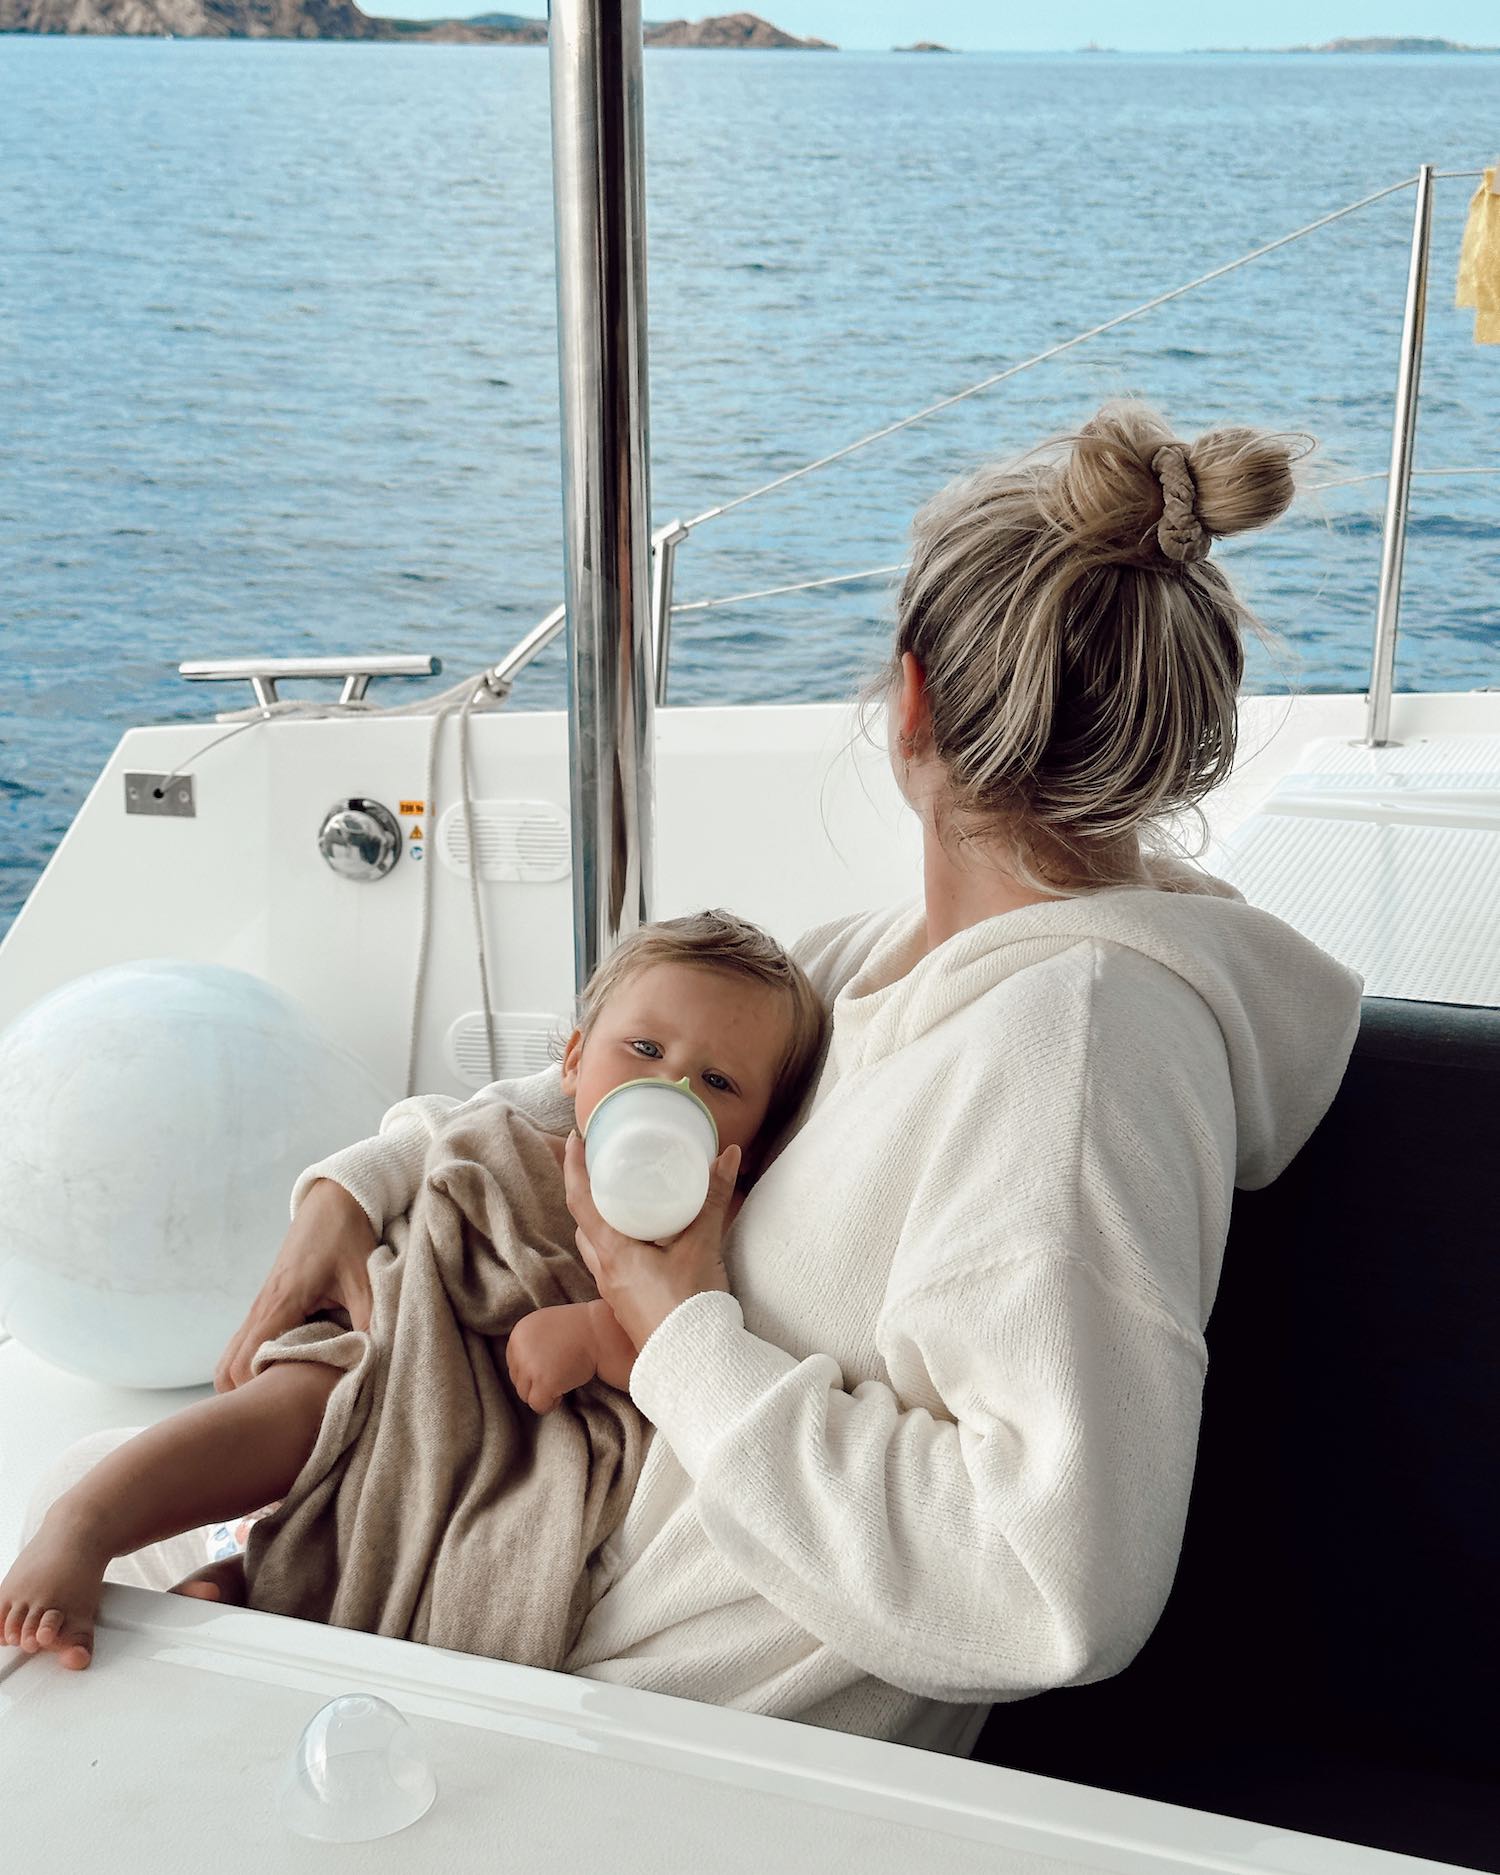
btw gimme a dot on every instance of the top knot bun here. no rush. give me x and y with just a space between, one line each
1080 658
1129 491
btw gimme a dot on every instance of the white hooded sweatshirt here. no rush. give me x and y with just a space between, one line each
935 1450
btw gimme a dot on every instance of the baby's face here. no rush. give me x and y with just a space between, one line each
725 1034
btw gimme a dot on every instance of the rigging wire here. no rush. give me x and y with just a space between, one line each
1383 475
1052 351
806 585
874 572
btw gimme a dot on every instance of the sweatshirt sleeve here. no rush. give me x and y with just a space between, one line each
1004 1513
384 1172
1029 1545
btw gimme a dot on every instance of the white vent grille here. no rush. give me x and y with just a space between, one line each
519 842
523 1045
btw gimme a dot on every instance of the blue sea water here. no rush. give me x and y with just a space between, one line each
278 367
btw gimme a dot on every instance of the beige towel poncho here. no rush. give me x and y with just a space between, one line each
436 1506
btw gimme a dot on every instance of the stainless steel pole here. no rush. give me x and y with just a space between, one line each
1398 483
598 169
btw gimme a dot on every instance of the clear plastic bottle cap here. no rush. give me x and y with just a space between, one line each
357 1773
649 1146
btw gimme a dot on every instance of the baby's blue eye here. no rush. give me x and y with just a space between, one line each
718 1083
651 1050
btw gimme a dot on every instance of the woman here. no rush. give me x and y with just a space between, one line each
936 1449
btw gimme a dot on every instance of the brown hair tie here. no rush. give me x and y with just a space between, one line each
1179 533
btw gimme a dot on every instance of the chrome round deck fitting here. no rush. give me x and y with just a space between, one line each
360 839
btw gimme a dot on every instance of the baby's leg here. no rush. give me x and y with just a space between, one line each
217 1460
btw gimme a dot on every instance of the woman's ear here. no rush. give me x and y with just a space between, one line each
572 1055
913 717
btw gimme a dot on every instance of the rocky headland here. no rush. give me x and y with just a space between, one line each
342 19
731 30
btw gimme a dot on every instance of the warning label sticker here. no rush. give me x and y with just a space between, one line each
413 807
415 834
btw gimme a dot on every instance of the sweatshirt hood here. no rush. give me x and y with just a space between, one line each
1288 1012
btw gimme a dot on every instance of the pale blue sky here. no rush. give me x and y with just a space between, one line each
1002 25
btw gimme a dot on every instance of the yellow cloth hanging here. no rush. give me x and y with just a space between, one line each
1479 261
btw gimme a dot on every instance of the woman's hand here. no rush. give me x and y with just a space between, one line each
321 1265
644 1282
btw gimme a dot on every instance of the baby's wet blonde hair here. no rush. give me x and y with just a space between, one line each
1082 655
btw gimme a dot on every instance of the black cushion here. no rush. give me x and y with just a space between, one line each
1329 1659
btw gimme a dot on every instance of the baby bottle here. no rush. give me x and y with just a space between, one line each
649 1146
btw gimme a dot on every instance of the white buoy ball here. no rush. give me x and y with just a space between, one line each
153 1119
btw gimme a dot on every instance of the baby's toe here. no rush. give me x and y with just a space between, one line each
29 1626
75 1646
15 1620
49 1627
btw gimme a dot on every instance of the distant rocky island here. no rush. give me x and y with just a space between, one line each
342 19
1367 45
923 45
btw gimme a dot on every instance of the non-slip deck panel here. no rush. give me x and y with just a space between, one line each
1415 909
1387 858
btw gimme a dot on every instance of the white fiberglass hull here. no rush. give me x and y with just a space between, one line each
168 1755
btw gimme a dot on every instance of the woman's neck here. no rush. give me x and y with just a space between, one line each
966 882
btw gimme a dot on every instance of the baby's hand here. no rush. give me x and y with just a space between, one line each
550 1352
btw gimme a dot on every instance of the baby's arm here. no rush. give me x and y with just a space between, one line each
551 1351
214 1462
384 1173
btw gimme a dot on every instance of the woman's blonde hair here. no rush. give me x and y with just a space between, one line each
1082 656
718 940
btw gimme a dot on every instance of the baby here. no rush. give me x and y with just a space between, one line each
708 998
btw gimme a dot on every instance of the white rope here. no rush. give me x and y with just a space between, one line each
424 914
1052 351
466 792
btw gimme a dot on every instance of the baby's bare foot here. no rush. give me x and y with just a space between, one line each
50 1596
216 1582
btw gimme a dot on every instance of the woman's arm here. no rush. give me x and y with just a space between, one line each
1030 1545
